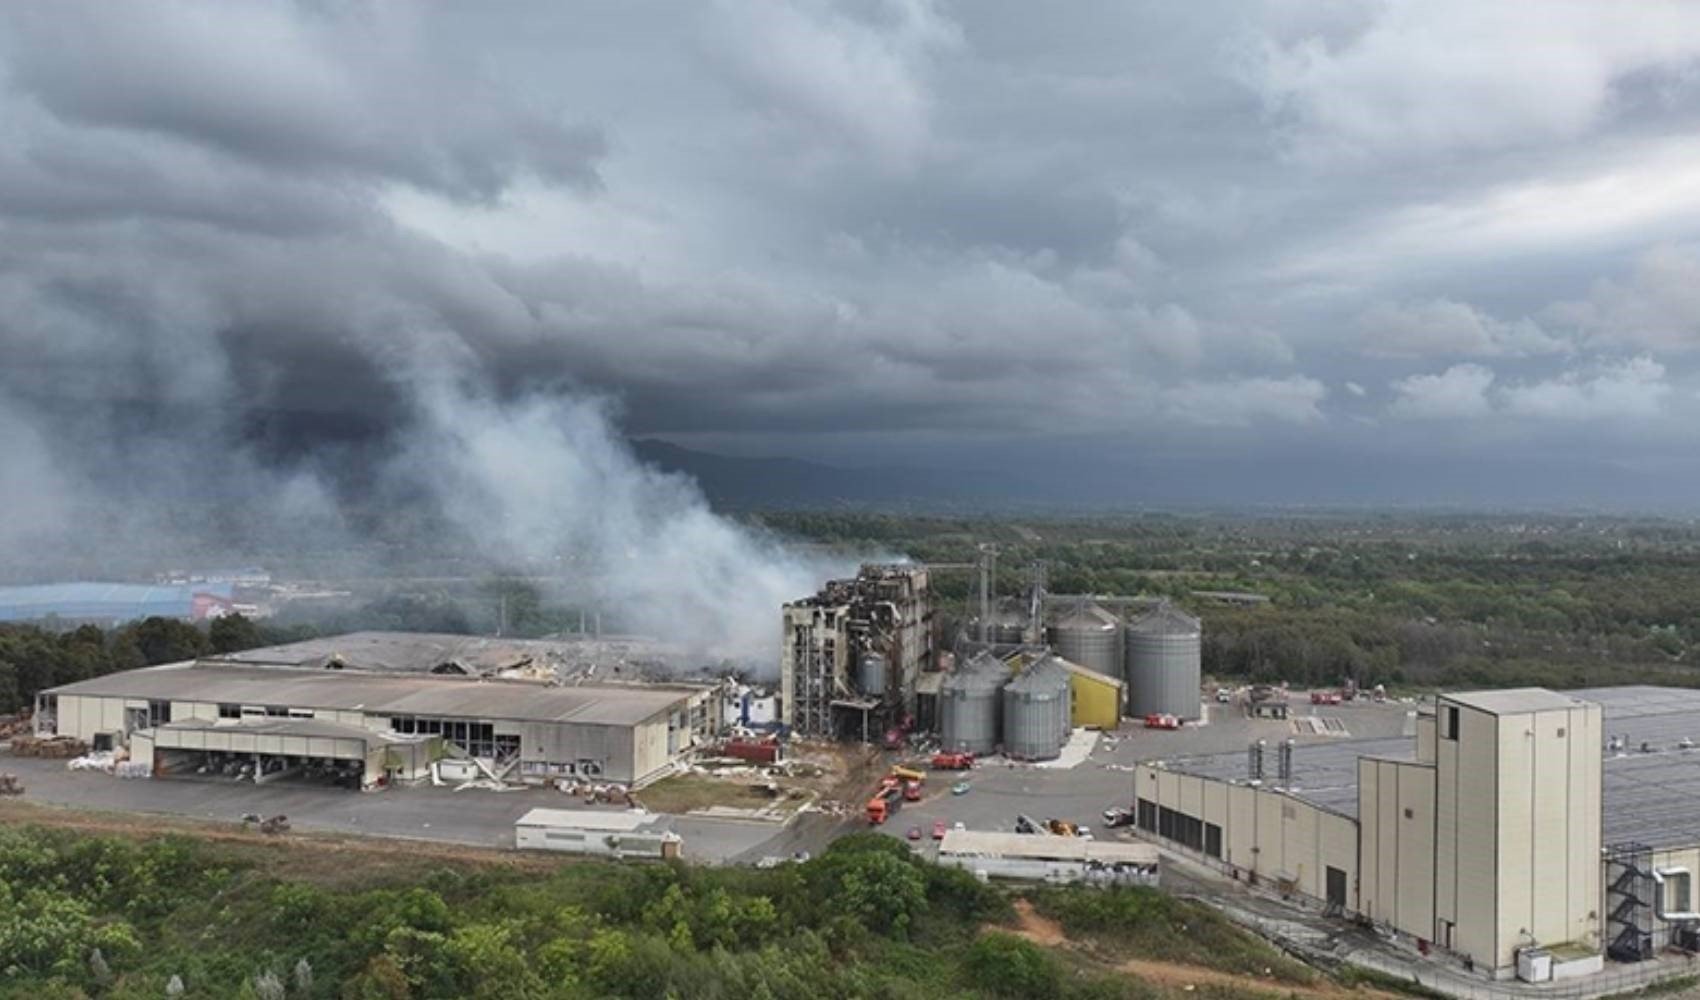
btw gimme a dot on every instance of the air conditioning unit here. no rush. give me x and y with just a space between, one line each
1534 965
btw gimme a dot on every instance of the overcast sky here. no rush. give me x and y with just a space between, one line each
1453 236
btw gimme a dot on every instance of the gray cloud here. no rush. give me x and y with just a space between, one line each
847 227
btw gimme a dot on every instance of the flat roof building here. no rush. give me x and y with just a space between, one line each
1483 833
528 729
1042 857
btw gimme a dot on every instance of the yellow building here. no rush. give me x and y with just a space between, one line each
1097 699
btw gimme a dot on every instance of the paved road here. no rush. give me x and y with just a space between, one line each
485 819
475 817
1001 791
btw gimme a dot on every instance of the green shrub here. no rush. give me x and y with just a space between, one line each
1009 966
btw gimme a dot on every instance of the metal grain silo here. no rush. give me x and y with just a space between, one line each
1036 711
969 707
1164 647
1006 627
870 675
1090 636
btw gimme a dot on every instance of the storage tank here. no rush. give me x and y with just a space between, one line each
1036 711
969 707
1008 624
870 675
1090 636
1164 648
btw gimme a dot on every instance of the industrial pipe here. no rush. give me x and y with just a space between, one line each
1683 916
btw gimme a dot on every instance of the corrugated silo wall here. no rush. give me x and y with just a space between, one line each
1036 718
1163 673
1096 648
968 719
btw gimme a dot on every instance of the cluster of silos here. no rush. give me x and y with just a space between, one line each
1036 711
1090 636
970 707
1164 650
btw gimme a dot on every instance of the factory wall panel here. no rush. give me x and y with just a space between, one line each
1216 806
1413 870
1445 839
1587 905
1373 901
1338 842
1271 858
649 746
1516 834
112 713
1241 830
1094 702
183 710
1476 835
1426 738
1192 795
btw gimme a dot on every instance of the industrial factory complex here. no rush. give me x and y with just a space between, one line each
1529 831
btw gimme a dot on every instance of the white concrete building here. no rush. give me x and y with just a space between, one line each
1045 858
599 833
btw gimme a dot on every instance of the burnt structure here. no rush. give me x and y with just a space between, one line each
852 653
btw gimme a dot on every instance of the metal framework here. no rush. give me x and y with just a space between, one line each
1629 902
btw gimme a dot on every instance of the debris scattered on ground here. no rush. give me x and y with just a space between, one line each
100 760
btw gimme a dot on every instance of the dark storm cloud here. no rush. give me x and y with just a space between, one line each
248 231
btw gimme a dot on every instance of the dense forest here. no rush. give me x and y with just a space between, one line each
104 917
1409 601
1406 600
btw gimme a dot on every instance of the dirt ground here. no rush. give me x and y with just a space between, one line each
1042 930
325 859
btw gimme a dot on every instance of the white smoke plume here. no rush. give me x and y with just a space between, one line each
544 482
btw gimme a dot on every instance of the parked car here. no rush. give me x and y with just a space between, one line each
938 829
1118 817
914 833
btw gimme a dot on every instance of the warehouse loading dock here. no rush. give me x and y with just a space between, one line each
269 750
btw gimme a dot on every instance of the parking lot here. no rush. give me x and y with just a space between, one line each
476 818
999 791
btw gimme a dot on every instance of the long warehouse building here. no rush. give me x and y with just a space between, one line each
283 702
1514 825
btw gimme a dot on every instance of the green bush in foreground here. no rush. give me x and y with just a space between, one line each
89 917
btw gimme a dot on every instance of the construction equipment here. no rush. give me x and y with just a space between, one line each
1062 828
1027 824
952 761
908 774
885 802
9 785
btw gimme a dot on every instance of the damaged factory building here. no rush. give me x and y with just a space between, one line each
853 652
378 708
